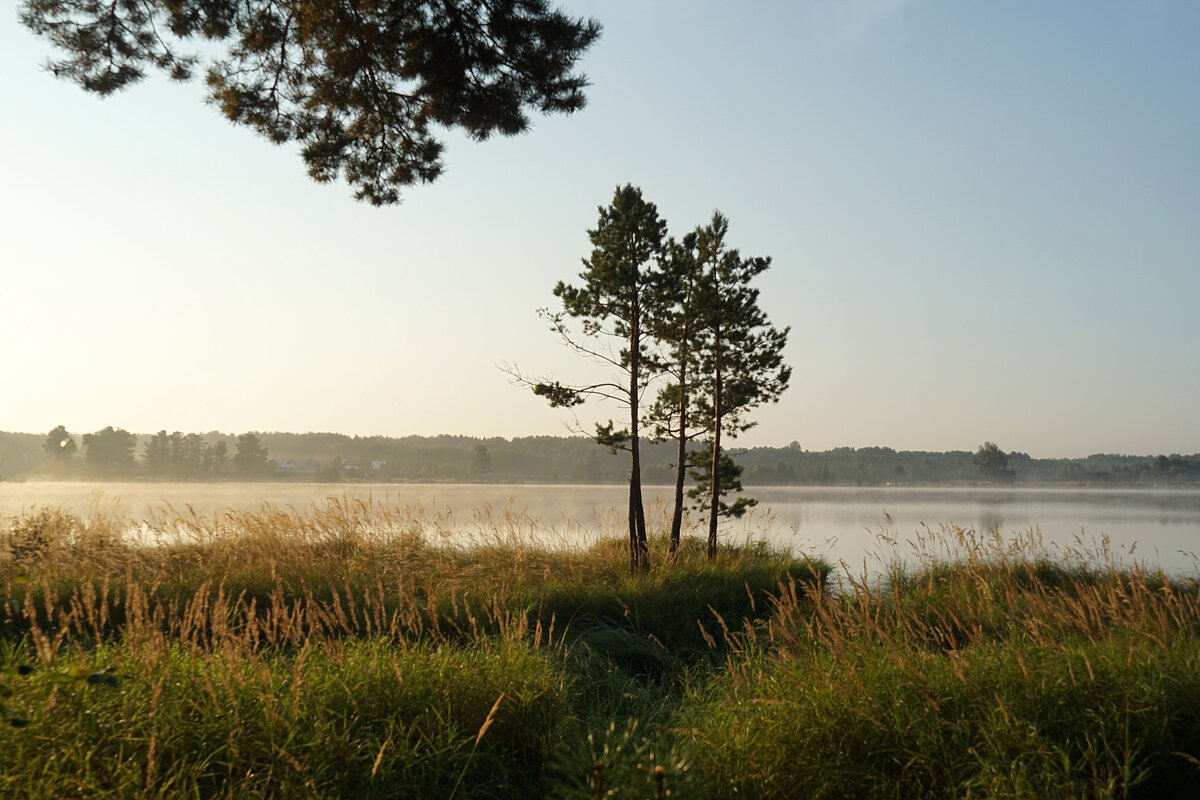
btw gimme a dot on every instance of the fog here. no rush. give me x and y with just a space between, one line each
865 529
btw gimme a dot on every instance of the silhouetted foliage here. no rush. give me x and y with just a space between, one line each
361 86
60 450
251 458
740 355
993 463
729 482
623 289
59 443
576 459
481 461
108 453
183 457
677 329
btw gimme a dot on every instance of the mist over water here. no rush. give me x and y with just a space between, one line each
1155 528
866 528
459 504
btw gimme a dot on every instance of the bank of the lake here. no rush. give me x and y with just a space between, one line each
1156 527
340 652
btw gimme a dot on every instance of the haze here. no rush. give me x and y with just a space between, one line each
982 218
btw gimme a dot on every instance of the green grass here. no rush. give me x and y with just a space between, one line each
341 652
998 675
366 719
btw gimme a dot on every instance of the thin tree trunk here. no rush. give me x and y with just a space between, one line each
633 542
639 553
685 353
680 468
714 497
641 549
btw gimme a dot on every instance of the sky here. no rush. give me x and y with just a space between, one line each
982 219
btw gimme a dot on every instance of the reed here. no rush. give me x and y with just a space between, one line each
351 649
356 649
993 669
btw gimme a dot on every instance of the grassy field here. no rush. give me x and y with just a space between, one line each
340 653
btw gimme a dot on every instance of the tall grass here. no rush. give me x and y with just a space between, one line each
359 650
349 650
988 671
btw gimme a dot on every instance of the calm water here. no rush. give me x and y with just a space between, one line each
857 526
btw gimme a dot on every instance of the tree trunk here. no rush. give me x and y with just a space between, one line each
714 480
635 501
639 552
680 475
639 548
681 467
714 497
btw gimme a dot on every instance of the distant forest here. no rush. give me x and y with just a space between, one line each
118 455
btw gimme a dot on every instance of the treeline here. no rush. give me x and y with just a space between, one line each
114 454
880 466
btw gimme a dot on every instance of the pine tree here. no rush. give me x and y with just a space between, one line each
622 289
251 459
361 86
741 356
729 482
60 450
109 453
676 328
156 455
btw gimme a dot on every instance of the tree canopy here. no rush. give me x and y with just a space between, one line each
993 463
59 444
359 84
622 289
685 317
740 362
251 460
678 331
109 453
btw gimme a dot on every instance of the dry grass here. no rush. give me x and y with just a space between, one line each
352 649
993 670
361 650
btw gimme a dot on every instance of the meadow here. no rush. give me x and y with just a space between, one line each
342 651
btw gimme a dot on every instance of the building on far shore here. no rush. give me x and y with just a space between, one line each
297 466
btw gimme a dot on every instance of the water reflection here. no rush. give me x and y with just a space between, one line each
1154 527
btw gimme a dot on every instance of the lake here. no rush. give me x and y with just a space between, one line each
864 528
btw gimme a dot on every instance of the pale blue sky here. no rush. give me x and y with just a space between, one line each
983 220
